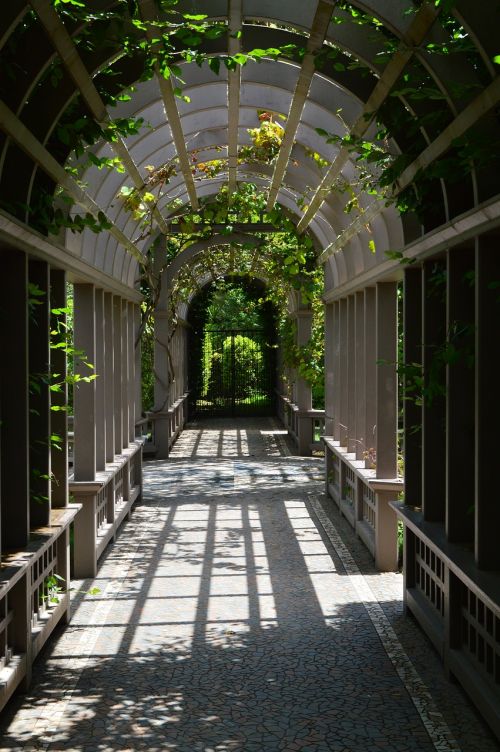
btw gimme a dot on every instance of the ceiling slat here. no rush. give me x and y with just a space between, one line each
233 92
316 38
416 34
148 13
73 63
483 103
22 136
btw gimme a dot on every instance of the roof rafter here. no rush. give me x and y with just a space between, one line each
483 103
418 30
71 59
233 92
22 136
148 13
317 36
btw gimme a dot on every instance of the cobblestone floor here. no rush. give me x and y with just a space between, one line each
238 613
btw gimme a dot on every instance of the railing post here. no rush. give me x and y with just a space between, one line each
85 558
305 435
386 533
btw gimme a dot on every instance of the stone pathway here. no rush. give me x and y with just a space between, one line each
238 613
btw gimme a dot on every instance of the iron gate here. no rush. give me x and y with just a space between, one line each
237 374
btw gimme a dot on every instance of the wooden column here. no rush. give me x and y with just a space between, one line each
386 379
370 375
14 400
59 399
131 372
434 409
161 386
304 324
360 375
117 375
100 369
412 326
137 368
304 392
487 508
351 374
336 371
39 370
109 376
84 396
460 396
329 357
343 372
125 363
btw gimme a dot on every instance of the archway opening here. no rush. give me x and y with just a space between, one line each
232 349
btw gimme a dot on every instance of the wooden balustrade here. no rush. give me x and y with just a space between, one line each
457 606
34 598
106 503
304 426
364 500
175 416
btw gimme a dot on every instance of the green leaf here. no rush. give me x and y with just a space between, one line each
214 64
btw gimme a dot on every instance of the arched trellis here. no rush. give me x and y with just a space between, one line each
444 475
167 338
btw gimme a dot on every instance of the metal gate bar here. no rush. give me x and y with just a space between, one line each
236 377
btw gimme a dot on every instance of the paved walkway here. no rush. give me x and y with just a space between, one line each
236 614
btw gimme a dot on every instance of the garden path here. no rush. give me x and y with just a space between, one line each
238 612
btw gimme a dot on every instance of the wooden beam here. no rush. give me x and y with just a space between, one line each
233 92
148 13
178 229
73 63
317 35
415 35
487 100
17 131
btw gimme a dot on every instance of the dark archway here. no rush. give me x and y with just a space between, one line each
232 347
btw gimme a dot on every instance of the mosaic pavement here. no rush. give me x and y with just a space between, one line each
238 612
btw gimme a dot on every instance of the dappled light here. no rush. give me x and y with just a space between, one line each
227 620
249 396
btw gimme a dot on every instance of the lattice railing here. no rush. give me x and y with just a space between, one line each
429 575
349 487
480 634
44 585
6 616
369 507
101 517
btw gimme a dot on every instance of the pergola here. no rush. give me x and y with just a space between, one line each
405 62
